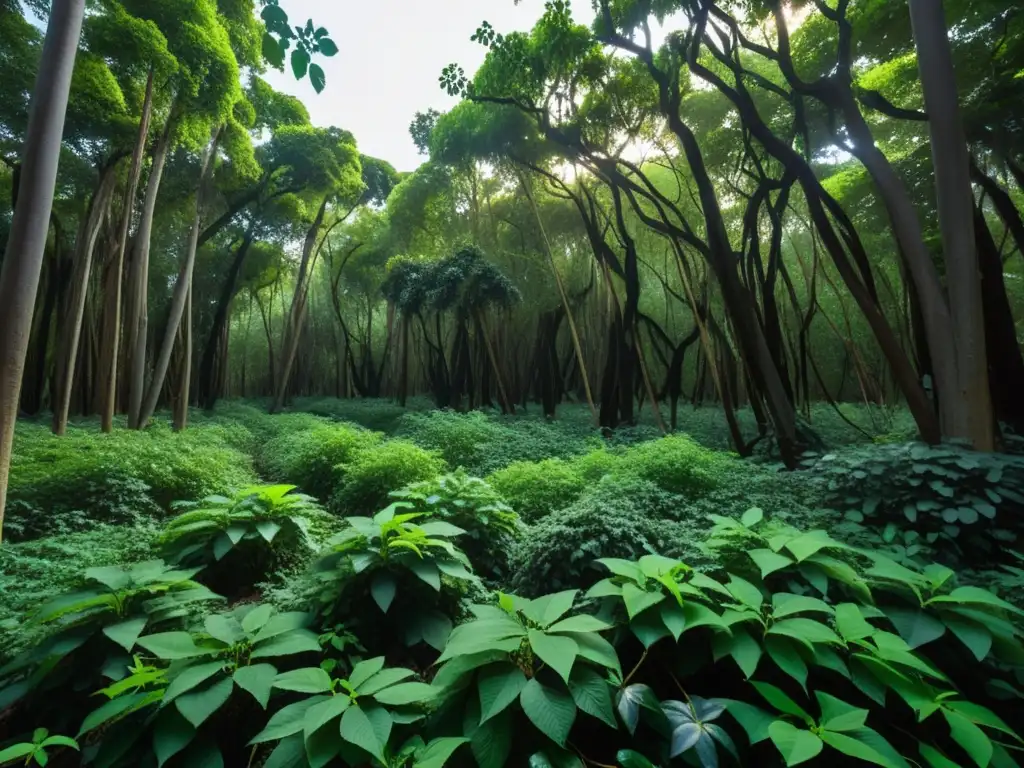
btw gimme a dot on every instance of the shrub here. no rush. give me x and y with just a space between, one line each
536 489
967 504
609 521
86 476
491 525
596 464
677 464
370 475
378 415
309 457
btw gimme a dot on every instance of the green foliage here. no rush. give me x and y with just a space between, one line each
308 457
34 752
678 465
963 503
239 538
536 489
60 483
368 477
490 524
392 575
612 520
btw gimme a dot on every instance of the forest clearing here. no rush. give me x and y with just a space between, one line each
651 397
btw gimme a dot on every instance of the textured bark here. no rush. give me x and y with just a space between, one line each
970 415
26 244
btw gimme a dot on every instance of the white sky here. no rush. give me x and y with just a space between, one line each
391 53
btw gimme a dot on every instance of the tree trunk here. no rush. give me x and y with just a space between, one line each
138 315
972 414
181 403
26 244
112 313
181 296
71 325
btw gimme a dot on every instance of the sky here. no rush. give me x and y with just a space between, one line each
391 53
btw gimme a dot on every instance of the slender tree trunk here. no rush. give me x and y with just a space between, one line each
973 413
26 244
298 310
138 316
181 296
114 288
181 404
71 325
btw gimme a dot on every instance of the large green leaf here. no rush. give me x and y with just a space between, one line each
785 604
854 748
436 753
598 650
116 708
306 680
224 628
805 630
295 641
786 654
743 648
778 699
552 712
126 633
548 609
383 589
281 623
405 693
627 758
171 734
629 702
638 600
287 721
324 712
172 645
382 680
189 678
490 742
969 736
257 618
582 623
972 634
592 694
356 728
257 679
556 651
427 572
769 562
915 626
364 670
198 706
796 745
498 685
837 715
754 720
976 596
483 635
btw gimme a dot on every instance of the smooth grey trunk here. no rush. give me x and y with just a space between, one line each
138 319
182 291
112 314
71 325
973 415
26 244
181 405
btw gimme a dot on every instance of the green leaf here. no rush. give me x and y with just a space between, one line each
753 720
198 706
273 14
548 609
796 745
490 742
427 572
581 623
778 699
769 562
405 693
322 713
126 633
592 694
280 624
752 517
171 734
935 758
257 680
17 751
649 628
637 600
483 635
809 544
624 568
173 645
915 626
296 641
851 622
288 721
268 529
976 596
551 711
627 758
115 708
784 604
364 670
307 680
437 752
498 685
745 592
224 628
837 715
743 648
785 653
383 679
556 651
848 745
598 650
257 618
357 728
189 678
805 630
300 63
383 590
629 702
969 736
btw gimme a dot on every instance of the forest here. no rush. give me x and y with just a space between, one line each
670 412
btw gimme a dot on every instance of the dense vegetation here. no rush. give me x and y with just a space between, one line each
667 414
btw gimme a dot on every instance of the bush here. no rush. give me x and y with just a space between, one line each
596 464
536 489
309 457
69 482
378 415
678 464
967 504
609 521
370 475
